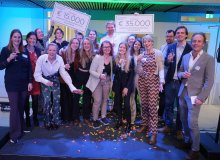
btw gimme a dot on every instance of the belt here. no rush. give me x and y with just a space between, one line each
175 80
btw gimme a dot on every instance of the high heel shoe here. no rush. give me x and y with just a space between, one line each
153 139
118 125
142 129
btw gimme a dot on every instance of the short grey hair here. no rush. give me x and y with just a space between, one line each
147 37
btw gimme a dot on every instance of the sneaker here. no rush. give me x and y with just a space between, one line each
14 141
96 124
105 121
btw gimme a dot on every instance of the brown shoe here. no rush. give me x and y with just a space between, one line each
164 129
153 139
179 135
76 122
87 122
193 155
142 129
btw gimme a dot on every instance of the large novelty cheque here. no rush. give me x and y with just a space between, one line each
135 23
70 17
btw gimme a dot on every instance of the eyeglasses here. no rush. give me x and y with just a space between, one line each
106 47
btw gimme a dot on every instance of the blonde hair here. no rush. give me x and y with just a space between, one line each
69 50
84 58
127 57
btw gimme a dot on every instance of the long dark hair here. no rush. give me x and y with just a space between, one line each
132 47
101 48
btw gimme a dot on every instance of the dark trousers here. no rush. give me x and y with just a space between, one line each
66 102
34 106
172 100
16 102
118 100
86 104
161 103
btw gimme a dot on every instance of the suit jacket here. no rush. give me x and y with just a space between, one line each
171 67
96 70
121 78
202 76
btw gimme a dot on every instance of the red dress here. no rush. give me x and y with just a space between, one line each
36 85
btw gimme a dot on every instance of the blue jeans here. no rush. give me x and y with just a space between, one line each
189 115
171 96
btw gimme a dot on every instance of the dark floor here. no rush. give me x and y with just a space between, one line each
85 142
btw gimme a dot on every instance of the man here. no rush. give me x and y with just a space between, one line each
197 75
173 59
169 40
79 36
112 37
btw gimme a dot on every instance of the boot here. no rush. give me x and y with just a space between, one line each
153 139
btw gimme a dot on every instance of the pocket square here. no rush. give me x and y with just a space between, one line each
197 68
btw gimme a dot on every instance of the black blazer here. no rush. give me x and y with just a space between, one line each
123 79
172 66
37 50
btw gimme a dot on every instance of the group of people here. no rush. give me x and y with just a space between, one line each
62 72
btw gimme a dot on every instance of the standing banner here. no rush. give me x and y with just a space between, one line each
69 17
135 23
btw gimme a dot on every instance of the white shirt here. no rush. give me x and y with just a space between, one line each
193 61
179 52
44 67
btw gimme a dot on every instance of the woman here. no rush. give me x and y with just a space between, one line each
33 53
18 78
48 68
59 38
71 58
131 39
135 52
41 39
100 82
123 84
150 82
81 78
93 37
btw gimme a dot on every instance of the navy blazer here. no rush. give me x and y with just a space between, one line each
172 66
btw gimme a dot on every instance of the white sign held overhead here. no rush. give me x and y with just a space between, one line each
69 17
135 23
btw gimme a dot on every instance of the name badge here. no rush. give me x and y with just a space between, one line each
197 68
24 55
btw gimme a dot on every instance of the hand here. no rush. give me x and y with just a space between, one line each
49 84
186 74
12 56
121 61
67 66
161 87
170 57
198 102
77 91
30 87
102 77
139 57
125 92
52 22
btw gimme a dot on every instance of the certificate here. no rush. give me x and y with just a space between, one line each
135 23
69 17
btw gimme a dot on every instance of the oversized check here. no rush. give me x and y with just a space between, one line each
135 23
69 17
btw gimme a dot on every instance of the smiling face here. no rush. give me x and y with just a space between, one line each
52 52
198 43
86 45
40 34
131 40
16 39
181 35
170 38
92 35
137 46
32 40
110 28
148 44
58 34
122 49
106 48
75 44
